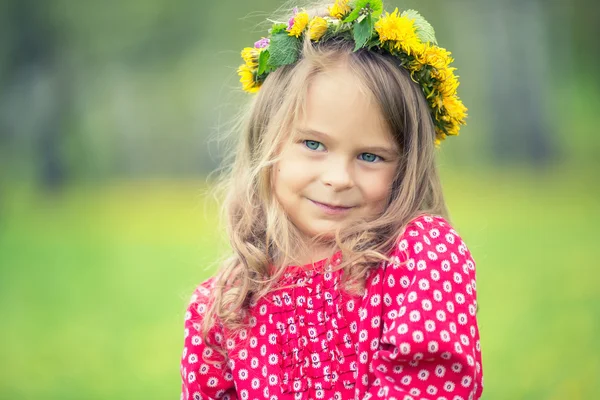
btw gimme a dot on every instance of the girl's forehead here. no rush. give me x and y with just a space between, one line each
338 104
341 77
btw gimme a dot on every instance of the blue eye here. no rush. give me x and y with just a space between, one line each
313 144
369 157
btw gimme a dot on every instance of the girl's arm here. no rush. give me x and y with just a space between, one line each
430 343
202 379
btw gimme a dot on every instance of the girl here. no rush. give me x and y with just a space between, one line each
346 279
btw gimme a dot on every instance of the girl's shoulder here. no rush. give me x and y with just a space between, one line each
431 238
428 221
427 227
203 290
200 301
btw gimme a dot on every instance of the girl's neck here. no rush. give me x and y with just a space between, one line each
311 253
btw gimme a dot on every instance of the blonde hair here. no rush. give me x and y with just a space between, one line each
259 232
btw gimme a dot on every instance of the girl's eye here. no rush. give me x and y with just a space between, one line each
369 157
313 144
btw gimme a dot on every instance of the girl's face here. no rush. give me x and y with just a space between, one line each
342 160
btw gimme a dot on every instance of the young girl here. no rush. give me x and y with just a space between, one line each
346 280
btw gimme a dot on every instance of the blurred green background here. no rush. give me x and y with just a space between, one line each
110 118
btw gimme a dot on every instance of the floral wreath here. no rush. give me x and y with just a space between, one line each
406 36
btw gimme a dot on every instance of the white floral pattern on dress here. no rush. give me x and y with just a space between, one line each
412 335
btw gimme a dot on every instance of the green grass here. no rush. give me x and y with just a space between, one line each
94 281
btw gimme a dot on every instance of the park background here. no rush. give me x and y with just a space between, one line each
110 119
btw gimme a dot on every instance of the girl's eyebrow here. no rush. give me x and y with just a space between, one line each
388 151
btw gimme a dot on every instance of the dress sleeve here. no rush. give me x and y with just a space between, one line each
430 346
204 372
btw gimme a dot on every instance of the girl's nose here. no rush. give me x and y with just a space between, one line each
337 175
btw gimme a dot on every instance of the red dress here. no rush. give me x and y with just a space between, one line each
413 335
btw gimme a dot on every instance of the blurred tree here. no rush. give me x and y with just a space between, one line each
519 62
38 84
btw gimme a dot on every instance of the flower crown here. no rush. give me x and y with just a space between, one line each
406 36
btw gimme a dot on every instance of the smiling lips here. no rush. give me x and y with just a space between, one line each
330 209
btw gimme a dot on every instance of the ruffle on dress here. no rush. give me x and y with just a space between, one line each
314 338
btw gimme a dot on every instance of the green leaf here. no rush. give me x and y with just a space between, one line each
283 49
375 5
363 32
425 31
352 16
276 28
263 60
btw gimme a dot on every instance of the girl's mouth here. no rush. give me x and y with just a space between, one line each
331 209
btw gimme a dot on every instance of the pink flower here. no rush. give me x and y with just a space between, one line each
290 24
291 20
262 43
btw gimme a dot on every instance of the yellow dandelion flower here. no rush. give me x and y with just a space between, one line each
414 66
453 129
317 28
400 32
443 73
300 22
250 56
435 101
439 137
435 56
247 80
447 81
339 9
456 111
